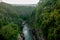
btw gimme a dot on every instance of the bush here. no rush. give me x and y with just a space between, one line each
9 32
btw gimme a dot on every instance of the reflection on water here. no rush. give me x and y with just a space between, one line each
26 32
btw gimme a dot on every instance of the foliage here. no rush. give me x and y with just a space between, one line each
9 32
47 16
10 22
25 11
11 18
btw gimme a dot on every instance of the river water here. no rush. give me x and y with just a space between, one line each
26 32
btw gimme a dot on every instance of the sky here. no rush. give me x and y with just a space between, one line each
21 1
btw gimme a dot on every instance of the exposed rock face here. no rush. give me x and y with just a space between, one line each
36 35
19 37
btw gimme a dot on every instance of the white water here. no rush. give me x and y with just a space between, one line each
26 32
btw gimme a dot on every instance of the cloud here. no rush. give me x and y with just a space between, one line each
21 1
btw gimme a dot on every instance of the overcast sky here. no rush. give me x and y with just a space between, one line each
21 1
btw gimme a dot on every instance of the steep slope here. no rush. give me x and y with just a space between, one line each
46 19
10 22
25 11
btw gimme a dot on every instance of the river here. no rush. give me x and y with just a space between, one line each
26 32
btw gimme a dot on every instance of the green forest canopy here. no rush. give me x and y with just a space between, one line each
46 18
11 20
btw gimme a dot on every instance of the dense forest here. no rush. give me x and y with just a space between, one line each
11 19
43 19
9 24
25 11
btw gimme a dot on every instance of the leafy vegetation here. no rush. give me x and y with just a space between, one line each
10 23
46 18
25 11
11 18
9 32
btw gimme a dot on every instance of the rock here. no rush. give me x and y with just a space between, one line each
19 37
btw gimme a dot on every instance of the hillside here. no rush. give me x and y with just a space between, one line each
30 22
45 20
8 8
31 5
25 11
9 22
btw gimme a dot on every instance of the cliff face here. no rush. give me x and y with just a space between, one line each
45 18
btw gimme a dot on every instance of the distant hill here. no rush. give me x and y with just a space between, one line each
25 11
32 5
21 10
8 8
8 13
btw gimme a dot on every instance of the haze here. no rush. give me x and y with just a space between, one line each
21 1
